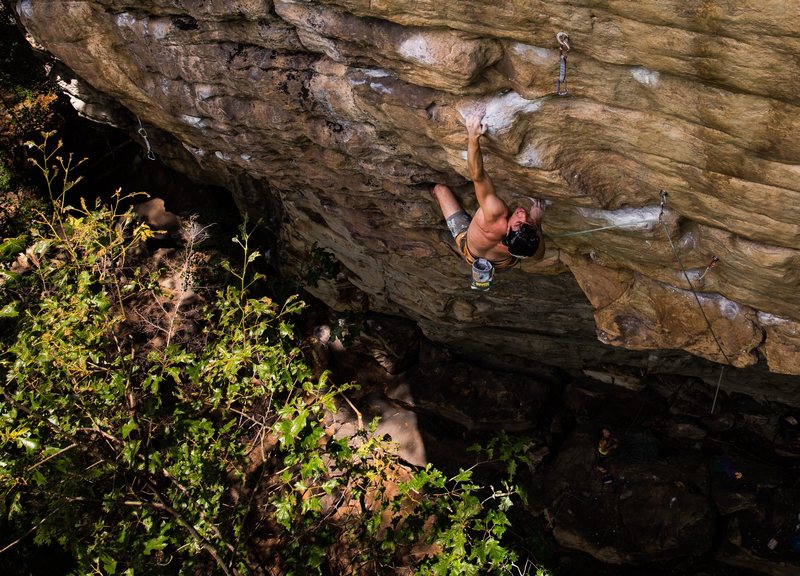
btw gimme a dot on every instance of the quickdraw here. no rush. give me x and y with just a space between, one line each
563 48
711 264
143 133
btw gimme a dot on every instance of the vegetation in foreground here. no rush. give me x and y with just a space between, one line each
159 418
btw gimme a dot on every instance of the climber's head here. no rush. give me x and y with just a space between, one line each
522 238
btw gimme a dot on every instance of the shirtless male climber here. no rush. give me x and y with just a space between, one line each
497 233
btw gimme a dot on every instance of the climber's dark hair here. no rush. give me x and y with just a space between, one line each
522 242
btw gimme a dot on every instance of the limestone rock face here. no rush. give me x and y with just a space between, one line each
341 112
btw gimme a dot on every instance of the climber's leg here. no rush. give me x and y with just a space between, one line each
447 200
457 220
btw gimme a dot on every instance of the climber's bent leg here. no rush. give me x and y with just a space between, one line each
448 202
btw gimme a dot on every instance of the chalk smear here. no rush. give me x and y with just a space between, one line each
631 218
532 53
416 48
501 111
767 319
647 77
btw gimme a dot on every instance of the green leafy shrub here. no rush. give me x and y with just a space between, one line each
146 432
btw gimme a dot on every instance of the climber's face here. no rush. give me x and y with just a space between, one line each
517 218
522 237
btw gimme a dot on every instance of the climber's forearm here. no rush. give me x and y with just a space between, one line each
475 159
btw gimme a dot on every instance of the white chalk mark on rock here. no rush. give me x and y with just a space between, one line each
532 53
416 48
630 218
500 112
646 77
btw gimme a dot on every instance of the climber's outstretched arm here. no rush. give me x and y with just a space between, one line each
493 206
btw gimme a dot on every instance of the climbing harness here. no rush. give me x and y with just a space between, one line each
563 48
694 292
482 275
143 133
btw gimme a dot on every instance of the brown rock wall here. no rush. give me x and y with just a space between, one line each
344 110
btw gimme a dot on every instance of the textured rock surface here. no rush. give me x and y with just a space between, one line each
340 111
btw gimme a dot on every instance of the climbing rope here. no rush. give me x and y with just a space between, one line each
593 230
711 264
143 133
563 48
694 292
